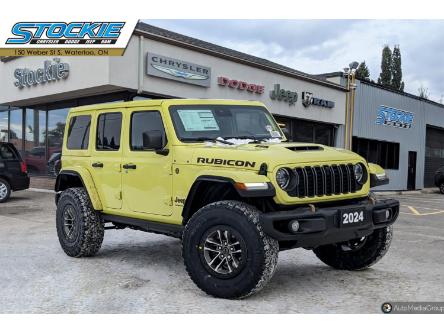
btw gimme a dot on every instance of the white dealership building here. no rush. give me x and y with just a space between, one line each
37 92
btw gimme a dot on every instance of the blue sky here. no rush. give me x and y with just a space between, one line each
318 46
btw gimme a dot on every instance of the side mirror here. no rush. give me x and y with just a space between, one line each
154 140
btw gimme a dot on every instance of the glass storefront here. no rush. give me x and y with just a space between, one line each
308 131
37 132
34 143
4 124
16 128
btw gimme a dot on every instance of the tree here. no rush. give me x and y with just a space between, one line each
423 92
385 78
397 82
362 72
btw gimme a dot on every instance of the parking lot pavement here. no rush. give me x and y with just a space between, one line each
136 272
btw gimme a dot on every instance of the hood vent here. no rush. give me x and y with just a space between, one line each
305 148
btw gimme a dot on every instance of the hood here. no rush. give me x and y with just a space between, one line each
252 155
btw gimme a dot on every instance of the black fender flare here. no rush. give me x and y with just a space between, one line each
186 212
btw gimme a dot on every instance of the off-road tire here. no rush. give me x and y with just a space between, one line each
375 247
261 253
89 232
5 185
441 188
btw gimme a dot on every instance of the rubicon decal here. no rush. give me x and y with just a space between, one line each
54 33
219 161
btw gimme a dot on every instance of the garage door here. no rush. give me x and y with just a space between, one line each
434 156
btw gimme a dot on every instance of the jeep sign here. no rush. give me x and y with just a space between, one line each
284 95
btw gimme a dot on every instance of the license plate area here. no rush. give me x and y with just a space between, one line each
352 217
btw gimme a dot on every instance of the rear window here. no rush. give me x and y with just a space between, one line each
78 132
7 153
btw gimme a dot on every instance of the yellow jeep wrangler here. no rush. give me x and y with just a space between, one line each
221 176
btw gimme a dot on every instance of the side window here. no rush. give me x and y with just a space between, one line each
78 132
145 125
109 126
6 153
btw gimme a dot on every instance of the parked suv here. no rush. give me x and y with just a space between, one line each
439 179
13 173
220 176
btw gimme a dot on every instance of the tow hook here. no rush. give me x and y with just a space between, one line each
372 198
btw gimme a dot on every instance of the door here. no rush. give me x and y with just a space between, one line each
411 173
105 162
434 154
147 176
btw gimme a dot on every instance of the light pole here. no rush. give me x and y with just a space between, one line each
350 76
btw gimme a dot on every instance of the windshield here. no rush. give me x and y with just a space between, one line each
209 122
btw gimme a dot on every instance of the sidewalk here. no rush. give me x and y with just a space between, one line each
424 190
42 183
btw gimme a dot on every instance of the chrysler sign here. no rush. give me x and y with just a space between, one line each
53 70
178 70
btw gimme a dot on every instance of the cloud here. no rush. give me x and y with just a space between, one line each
317 46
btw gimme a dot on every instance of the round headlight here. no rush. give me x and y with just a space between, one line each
359 172
283 178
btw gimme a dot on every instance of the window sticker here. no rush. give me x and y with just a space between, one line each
198 120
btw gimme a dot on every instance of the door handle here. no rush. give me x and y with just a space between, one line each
97 165
129 166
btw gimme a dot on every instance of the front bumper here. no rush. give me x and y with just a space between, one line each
323 225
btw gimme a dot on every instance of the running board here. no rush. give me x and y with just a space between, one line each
173 230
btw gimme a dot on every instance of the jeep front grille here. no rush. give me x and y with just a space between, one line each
312 181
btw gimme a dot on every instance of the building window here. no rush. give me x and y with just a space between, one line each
4 125
78 133
35 145
308 131
383 153
16 129
109 126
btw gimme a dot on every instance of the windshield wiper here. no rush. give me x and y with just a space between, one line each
248 137
209 139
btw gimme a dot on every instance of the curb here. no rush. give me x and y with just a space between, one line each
41 190
429 190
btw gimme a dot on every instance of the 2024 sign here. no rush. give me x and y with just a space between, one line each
353 217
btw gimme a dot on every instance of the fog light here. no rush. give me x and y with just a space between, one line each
293 226
387 214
